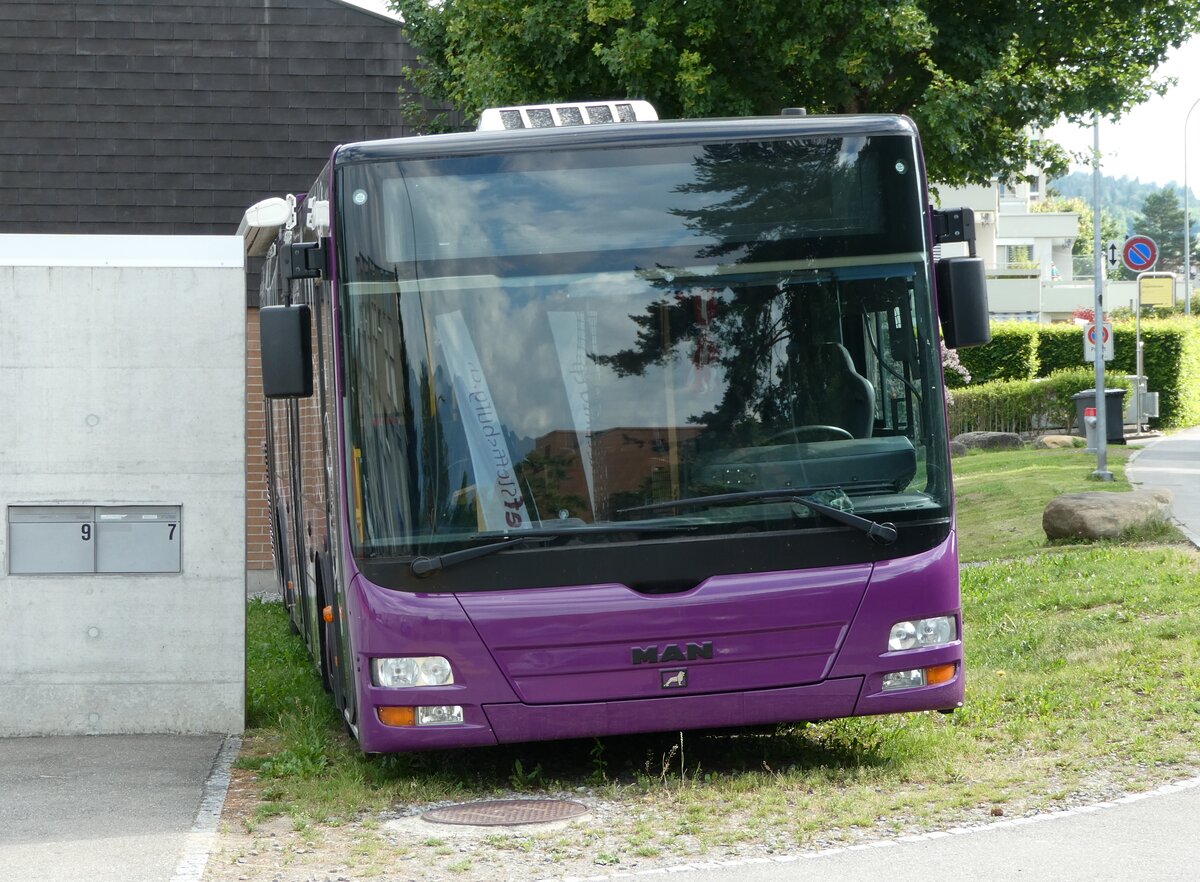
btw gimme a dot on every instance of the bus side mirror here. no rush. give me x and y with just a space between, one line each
962 302
285 333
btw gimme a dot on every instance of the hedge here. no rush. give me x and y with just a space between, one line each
1012 354
1030 407
1022 350
1060 347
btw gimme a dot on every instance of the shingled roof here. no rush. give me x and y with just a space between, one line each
172 116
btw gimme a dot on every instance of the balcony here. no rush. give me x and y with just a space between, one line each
1057 225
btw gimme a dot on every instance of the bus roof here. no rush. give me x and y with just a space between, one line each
734 128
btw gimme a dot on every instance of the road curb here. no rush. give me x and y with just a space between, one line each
202 838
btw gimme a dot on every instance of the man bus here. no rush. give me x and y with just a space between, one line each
587 423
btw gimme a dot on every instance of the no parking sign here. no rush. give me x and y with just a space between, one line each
1140 253
1089 341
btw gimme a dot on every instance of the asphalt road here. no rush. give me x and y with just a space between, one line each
1173 463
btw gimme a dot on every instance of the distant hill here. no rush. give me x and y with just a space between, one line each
1121 197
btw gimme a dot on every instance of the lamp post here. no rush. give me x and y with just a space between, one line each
1187 219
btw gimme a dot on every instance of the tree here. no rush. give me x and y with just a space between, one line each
975 74
1162 220
1121 197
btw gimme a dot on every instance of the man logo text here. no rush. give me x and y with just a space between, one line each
672 652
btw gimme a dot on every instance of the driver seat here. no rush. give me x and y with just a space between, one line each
847 398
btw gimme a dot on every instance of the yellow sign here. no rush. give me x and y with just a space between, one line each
1157 291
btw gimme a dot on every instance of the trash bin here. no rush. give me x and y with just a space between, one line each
1114 412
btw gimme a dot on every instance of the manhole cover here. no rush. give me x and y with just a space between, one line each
507 812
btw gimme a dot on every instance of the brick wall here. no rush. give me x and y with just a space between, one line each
258 520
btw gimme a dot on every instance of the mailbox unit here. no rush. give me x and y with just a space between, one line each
65 539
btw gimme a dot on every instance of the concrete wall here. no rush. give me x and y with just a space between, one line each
122 376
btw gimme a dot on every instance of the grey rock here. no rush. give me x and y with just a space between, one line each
957 448
1099 514
990 440
1055 442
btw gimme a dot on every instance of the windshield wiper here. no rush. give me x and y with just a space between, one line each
884 534
426 565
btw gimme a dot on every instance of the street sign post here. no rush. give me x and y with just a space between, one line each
1154 289
1102 471
1140 253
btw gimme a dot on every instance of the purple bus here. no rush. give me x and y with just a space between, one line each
587 423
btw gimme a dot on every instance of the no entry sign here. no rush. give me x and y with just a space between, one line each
1140 253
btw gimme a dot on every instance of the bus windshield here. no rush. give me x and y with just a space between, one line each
551 339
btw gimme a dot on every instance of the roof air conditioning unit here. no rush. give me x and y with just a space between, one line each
548 116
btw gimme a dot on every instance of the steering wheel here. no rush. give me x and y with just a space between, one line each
813 432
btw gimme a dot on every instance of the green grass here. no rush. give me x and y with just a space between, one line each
1001 496
1083 681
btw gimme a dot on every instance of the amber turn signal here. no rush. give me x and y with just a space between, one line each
397 716
939 674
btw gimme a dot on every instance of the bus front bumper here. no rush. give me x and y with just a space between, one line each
513 722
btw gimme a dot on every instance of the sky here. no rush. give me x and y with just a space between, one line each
373 5
1147 143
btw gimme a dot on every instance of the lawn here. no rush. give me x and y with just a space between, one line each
1084 682
1001 496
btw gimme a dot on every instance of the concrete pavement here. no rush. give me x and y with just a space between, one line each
116 808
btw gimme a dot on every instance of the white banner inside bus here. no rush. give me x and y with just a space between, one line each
501 503
570 339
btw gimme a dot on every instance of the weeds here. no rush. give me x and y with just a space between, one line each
599 773
523 780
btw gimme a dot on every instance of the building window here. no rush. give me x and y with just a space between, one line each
1020 257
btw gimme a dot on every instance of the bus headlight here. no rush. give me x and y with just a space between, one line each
439 716
903 680
923 632
426 670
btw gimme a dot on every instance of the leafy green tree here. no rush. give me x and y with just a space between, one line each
975 74
1162 220
1121 197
